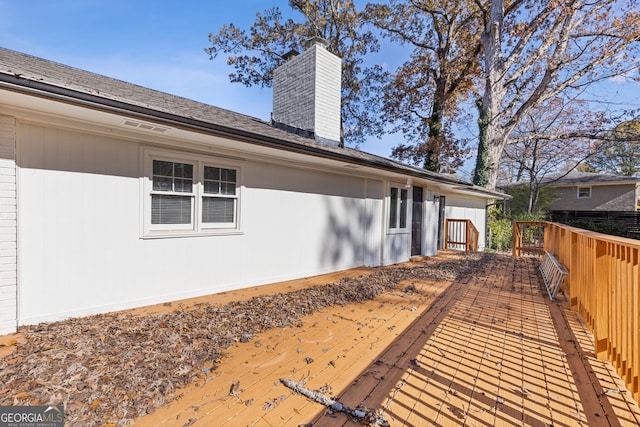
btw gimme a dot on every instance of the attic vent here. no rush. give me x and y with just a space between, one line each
145 126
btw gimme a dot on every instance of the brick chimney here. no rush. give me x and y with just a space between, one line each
306 93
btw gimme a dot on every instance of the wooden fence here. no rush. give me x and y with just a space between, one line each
461 235
603 285
622 223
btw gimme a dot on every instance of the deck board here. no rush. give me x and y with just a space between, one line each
448 354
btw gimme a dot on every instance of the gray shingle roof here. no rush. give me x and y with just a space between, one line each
22 72
576 177
581 178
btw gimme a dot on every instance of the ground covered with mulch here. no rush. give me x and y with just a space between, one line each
112 368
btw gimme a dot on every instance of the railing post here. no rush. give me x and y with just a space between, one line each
446 233
467 230
634 377
516 240
526 238
599 299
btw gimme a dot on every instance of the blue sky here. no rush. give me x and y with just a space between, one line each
156 44
160 45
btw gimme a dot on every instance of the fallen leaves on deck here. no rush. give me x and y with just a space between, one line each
112 368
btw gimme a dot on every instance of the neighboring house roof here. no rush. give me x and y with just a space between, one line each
576 178
40 77
589 178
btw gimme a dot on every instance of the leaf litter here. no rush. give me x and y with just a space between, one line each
112 368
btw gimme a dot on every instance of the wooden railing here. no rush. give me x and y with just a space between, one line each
461 234
603 286
528 238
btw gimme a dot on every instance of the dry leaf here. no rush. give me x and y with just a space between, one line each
234 390
140 361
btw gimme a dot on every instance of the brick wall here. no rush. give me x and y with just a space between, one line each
328 85
306 93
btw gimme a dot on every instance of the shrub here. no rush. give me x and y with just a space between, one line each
603 227
501 230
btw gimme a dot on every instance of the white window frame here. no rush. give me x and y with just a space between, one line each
197 227
583 197
191 195
397 228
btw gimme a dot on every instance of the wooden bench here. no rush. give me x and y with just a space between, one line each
552 274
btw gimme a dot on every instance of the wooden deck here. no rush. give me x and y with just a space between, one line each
487 350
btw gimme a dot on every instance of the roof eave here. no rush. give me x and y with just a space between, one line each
97 102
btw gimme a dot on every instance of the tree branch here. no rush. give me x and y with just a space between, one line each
368 416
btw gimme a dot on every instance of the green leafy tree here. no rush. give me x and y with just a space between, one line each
621 154
255 52
425 92
520 204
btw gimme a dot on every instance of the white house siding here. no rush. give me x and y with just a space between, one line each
8 229
300 222
430 223
80 229
474 209
372 221
397 248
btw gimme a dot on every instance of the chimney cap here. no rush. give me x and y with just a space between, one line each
291 54
313 41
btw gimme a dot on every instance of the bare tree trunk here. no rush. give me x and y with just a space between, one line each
531 204
493 93
554 51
